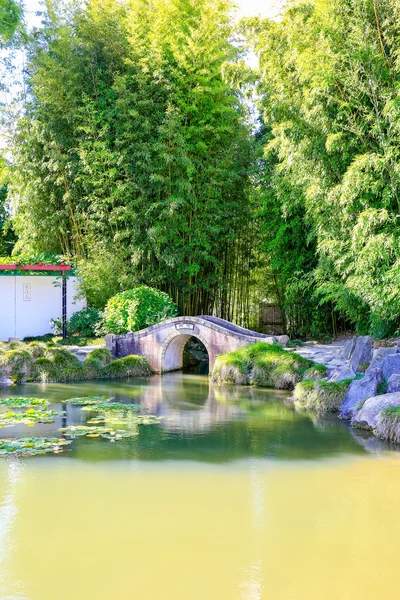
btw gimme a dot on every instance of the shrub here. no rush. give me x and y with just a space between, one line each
100 355
62 358
137 309
86 322
322 396
128 366
36 349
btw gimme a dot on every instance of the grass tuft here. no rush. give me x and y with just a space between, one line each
321 396
265 365
388 424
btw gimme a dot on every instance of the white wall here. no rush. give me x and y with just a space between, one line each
27 303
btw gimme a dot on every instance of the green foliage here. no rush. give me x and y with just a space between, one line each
329 100
321 396
85 323
10 18
133 150
137 309
261 364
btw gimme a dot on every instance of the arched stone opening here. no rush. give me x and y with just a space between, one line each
171 358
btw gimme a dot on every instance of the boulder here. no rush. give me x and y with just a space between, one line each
379 355
348 348
362 352
283 340
367 416
393 383
391 365
341 373
360 390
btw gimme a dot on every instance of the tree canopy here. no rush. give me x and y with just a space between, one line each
136 156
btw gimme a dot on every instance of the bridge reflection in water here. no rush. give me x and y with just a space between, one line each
201 422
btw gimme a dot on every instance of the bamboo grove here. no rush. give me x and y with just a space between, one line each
136 154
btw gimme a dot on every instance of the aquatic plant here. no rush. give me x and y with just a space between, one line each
23 402
322 396
266 365
388 424
29 417
32 446
94 431
124 418
89 400
113 406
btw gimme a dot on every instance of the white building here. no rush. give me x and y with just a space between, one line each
28 302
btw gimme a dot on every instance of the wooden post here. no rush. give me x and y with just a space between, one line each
64 306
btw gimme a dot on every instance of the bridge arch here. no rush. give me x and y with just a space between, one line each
171 351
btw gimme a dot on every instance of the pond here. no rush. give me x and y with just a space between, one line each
233 495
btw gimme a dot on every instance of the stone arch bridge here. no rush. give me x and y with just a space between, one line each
163 344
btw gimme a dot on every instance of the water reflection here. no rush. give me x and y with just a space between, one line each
201 422
11 475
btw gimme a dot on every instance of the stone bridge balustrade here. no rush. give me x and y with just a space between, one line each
163 344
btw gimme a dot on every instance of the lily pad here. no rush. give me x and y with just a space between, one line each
23 402
89 400
107 433
32 446
114 406
29 417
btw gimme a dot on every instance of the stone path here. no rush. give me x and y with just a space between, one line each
81 352
324 354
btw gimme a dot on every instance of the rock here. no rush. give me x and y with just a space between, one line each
391 365
341 373
348 348
362 352
367 416
360 390
393 383
379 355
283 340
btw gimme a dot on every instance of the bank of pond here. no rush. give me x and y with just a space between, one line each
363 399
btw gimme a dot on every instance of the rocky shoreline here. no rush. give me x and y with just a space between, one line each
372 374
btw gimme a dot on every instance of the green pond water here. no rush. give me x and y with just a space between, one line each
234 495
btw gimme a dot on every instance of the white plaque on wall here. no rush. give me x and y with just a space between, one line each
184 326
27 292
